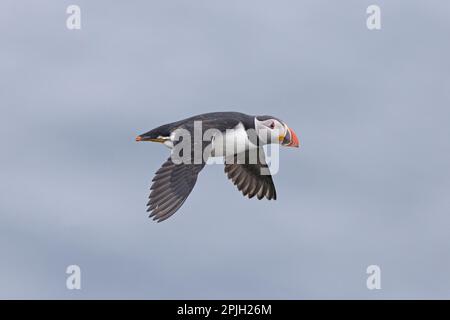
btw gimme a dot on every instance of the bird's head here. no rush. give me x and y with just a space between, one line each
272 130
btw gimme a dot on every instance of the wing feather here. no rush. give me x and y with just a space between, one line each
248 178
171 186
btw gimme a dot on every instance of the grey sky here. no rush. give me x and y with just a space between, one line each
368 186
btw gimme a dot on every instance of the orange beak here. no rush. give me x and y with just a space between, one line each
290 140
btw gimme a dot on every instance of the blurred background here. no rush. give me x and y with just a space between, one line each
368 186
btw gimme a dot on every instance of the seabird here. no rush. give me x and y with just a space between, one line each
174 181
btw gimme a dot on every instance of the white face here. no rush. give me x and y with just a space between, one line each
270 130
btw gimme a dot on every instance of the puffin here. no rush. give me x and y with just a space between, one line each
244 162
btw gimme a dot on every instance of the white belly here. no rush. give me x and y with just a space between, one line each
231 142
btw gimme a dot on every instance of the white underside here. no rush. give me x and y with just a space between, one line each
231 142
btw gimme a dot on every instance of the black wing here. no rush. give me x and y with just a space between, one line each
173 183
248 177
171 186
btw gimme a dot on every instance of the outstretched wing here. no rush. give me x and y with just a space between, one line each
248 177
171 186
173 183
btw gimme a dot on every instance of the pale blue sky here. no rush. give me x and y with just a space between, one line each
369 185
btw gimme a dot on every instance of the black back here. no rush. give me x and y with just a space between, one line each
218 120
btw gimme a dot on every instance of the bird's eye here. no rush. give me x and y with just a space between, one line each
272 125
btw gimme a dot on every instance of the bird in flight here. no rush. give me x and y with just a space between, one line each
236 137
